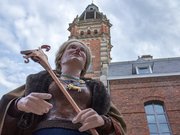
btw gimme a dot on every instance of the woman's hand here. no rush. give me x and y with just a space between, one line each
35 103
89 119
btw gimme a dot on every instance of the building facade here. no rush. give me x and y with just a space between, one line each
146 91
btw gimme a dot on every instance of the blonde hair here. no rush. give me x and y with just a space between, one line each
61 50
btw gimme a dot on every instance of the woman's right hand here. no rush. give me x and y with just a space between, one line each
35 103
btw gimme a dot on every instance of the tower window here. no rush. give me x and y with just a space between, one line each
143 69
90 15
88 32
157 119
82 33
95 32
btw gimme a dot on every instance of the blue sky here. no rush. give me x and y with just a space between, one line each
139 27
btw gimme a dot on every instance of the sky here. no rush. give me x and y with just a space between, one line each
139 27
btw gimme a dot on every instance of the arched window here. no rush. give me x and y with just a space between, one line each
82 33
95 32
157 119
88 32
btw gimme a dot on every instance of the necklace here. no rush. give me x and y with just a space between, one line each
73 83
70 76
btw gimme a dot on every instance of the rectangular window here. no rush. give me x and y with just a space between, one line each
89 15
143 69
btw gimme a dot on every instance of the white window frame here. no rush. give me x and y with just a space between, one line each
148 67
157 123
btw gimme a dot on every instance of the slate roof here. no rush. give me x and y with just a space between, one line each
163 66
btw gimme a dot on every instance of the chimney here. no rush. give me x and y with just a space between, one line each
145 57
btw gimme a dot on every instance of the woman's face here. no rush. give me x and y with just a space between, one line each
74 55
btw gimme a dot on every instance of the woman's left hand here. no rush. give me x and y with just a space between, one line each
89 119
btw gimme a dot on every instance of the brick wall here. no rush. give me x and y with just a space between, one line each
129 95
94 45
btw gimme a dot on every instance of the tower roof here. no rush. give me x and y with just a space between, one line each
91 12
90 15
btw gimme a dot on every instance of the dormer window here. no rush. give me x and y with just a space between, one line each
143 65
143 69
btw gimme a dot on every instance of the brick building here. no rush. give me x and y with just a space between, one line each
146 91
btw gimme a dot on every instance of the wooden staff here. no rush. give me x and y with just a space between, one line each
40 57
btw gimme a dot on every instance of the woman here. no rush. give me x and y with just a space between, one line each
43 110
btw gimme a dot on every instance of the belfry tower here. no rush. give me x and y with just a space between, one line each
93 28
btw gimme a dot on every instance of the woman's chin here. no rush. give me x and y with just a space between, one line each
76 63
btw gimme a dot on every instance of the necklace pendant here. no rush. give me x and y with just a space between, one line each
72 87
81 81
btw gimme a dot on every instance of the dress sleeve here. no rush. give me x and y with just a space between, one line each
13 111
117 120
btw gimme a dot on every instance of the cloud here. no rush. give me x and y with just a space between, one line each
140 24
8 39
139 27
5 84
